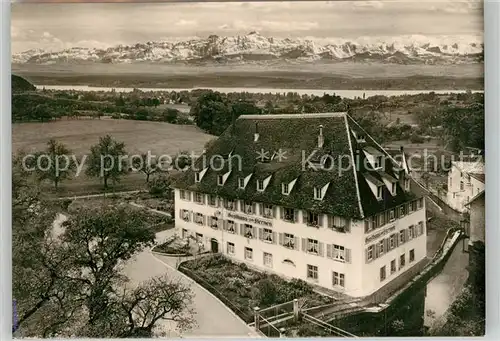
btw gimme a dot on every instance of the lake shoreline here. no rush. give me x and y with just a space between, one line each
423 83
300 91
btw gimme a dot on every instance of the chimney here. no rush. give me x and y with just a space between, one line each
321 139
256 134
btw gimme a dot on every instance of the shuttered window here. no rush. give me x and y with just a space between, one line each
370 253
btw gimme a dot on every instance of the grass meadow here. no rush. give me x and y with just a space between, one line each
79 135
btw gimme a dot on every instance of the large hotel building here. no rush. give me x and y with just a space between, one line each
305 196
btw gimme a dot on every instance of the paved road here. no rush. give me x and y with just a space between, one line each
86 196
212 317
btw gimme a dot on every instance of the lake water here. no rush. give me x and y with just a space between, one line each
316 92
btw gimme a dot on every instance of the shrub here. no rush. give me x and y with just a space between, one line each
266 292
414 138
184 120
65 204
308 330
243 267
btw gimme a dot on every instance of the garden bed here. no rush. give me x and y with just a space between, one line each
160 204
172 248
242 288
157 222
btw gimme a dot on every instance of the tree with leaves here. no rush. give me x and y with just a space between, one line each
55 163
160 186
107 160
71 284
211 112
464 126
170 115
145 164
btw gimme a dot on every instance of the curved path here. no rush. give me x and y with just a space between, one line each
213 318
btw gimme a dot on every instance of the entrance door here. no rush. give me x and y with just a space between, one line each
214 245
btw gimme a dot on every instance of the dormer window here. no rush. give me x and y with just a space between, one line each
407 184
199 175
241 183
284 189
359 137
221 178
317 193
260 185
393 188
379 192
374 156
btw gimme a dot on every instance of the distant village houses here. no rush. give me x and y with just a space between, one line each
466 179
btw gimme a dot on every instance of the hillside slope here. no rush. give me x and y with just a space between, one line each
20 84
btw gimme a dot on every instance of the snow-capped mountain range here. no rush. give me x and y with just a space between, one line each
255 48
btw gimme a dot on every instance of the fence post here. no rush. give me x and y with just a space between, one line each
256 318
296 309
282 332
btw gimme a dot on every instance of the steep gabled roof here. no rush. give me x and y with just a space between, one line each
471 167
476 197
480 177
296 135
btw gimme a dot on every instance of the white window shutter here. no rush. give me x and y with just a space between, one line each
255 231
320 220
297 242
329 251
274 237
320 249
261 233
348 255
347 225
304 244
281 239
281 212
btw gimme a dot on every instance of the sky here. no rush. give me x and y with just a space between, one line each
55 26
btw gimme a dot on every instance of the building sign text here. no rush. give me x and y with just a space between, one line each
250 219
380 234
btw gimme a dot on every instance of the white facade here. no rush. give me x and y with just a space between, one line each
322 255
464 184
